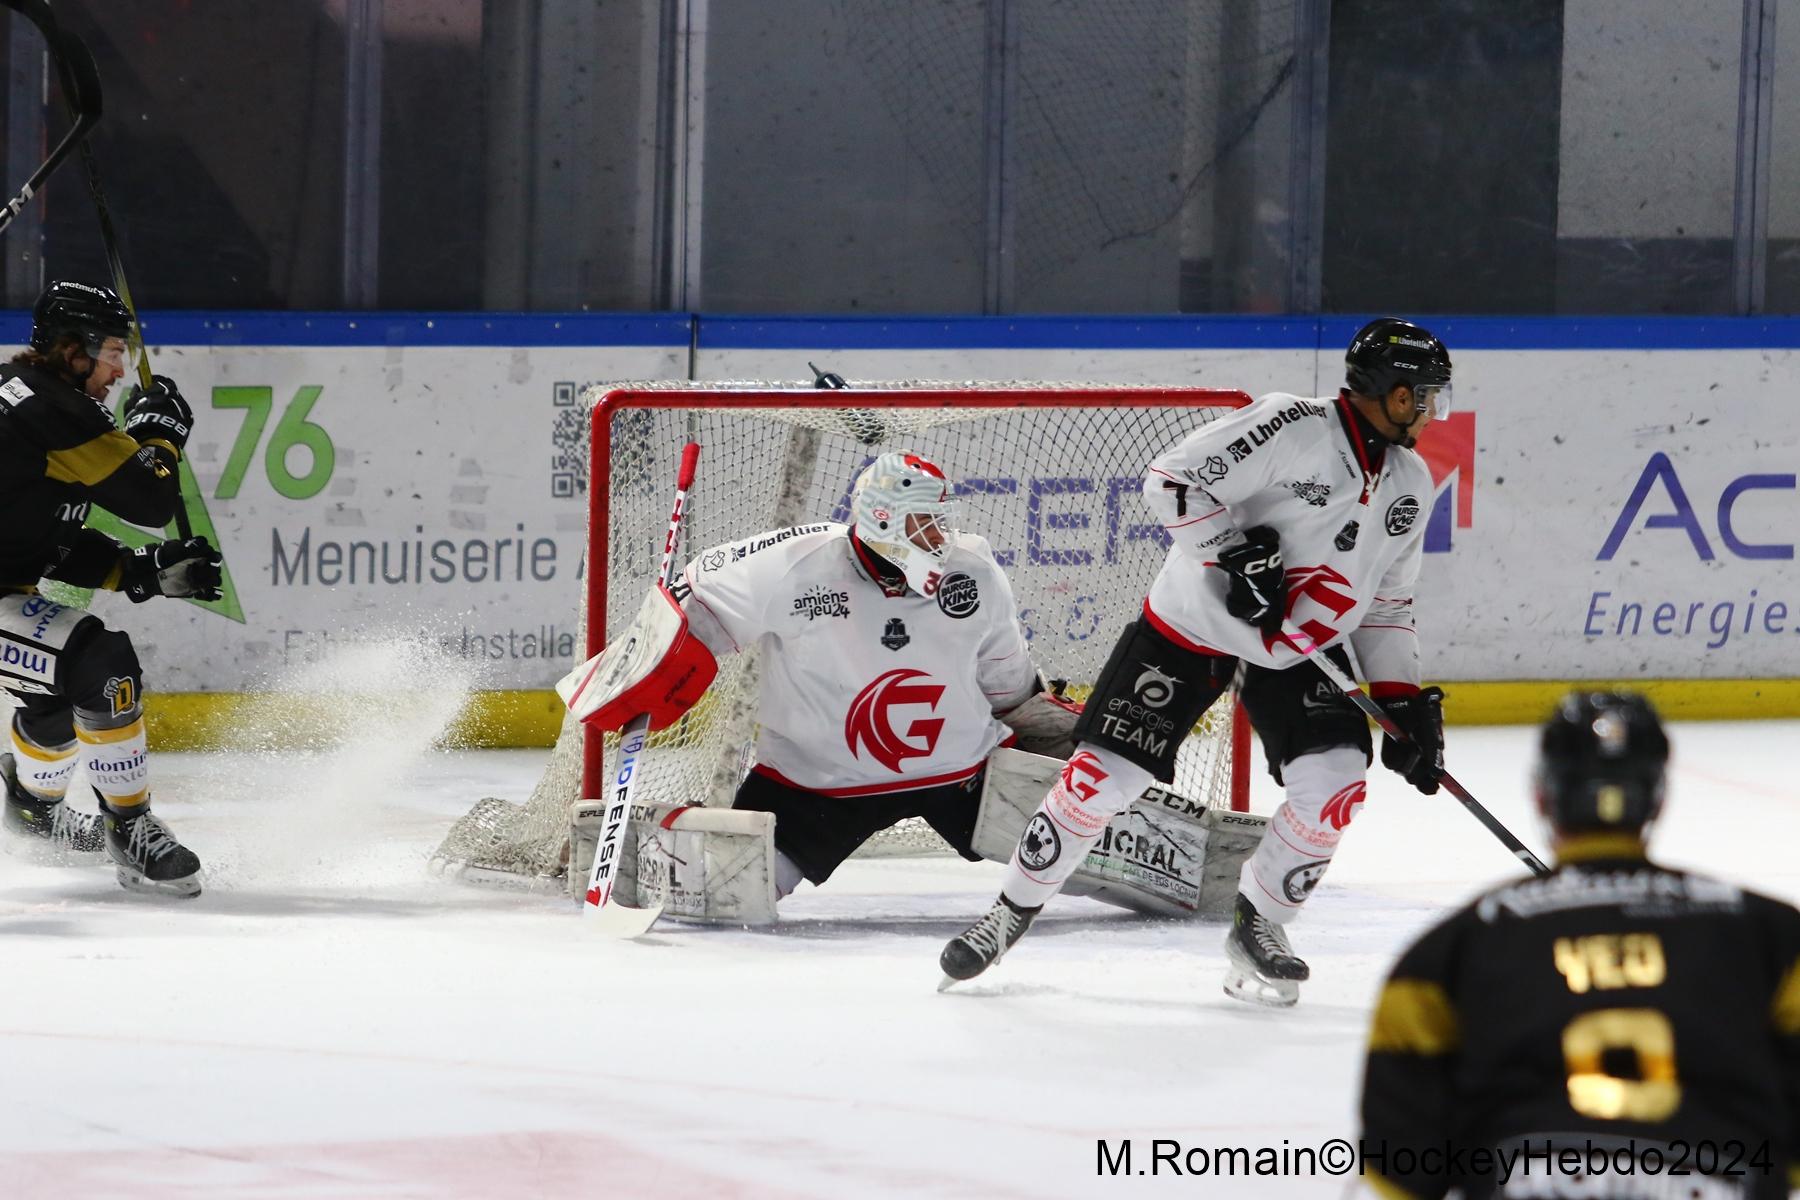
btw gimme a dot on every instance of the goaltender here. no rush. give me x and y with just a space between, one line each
1614 1029
892 665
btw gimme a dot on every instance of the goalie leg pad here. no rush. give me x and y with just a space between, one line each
1165 854
716 866
1170 857
1324 790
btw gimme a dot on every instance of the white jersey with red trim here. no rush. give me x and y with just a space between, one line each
864 693
1352 530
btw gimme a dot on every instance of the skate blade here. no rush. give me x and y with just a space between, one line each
951 979
1244 982
1265 993
134 881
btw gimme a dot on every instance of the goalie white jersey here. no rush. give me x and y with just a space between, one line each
864 693
1352 529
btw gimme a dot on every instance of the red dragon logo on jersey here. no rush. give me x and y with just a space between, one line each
870 721
1321 585
1339 810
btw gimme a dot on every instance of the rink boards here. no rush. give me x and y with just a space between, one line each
1614 499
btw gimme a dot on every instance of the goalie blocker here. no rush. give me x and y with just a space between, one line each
656 667
1166 855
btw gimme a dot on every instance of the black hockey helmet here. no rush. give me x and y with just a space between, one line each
1601 763
91 313
1388 352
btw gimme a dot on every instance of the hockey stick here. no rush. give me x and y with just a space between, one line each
82 91
80 78
1308 648
610 916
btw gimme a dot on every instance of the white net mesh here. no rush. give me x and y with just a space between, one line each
1048 473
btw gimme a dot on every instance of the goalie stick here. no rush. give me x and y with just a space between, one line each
1309 649
608 915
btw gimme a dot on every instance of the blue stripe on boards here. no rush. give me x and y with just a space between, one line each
934 332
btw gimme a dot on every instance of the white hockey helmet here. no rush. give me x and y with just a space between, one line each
902 510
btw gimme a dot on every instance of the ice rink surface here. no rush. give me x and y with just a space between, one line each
329 1021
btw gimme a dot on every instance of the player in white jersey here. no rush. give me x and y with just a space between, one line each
1297 511
892 664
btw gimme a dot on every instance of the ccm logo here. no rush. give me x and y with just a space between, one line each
1258 565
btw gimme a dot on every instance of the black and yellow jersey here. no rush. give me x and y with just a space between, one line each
60 453
1611 1004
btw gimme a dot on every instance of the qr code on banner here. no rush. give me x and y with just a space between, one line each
568 442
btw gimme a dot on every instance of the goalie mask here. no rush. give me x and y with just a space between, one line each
901 510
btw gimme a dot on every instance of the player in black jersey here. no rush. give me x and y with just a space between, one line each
1614 1029
78 683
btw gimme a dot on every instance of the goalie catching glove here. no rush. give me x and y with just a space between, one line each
656 666
185 570
1045 722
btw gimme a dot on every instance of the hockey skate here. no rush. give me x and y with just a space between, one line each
148 856
980 946
49 830
1263 968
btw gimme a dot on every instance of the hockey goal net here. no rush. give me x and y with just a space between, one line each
1048 473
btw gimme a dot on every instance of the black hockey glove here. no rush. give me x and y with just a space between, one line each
159 413
1257 592
185 570
1421 718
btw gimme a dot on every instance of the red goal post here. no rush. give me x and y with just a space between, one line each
884 400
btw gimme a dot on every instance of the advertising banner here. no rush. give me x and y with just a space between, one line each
1628 514
363 493
1600 511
